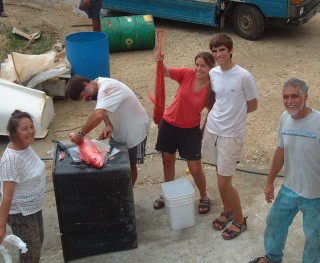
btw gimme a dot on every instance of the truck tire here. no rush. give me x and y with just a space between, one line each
248 22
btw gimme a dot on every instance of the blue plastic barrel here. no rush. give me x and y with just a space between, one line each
88 54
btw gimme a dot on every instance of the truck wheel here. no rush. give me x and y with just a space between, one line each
248 22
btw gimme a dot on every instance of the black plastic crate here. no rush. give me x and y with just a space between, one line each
95 206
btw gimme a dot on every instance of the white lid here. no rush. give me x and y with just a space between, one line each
179 188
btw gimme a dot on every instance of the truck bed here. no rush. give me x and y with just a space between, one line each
193 11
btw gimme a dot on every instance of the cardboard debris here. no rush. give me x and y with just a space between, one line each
25 35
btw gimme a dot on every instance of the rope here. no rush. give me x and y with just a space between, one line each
181 159
160 37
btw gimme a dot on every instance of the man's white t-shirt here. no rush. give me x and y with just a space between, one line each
300 139
233 88
128 117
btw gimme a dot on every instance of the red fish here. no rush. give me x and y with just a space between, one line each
90 154
159 98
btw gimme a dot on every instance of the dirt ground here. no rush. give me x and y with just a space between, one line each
280 54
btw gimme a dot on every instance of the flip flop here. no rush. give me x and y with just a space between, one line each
3 14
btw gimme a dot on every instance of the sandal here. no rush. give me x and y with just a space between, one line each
204 206
159 203
257 260
218 224
233 234
3 14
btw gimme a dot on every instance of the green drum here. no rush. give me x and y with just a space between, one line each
129 32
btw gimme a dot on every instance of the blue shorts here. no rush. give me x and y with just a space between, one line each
93 11
186 140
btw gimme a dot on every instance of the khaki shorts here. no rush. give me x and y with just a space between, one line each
224 152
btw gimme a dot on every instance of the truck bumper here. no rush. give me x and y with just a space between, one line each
307 16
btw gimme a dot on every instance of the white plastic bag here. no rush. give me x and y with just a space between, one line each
13 240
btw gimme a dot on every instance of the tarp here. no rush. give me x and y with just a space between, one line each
22 68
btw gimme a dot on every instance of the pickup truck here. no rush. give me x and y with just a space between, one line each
249 17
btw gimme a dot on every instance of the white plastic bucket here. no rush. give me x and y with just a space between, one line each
179 198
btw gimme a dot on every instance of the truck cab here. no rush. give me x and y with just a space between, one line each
250 17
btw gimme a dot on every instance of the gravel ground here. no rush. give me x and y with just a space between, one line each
279 55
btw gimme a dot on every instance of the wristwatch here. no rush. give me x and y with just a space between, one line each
81 133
